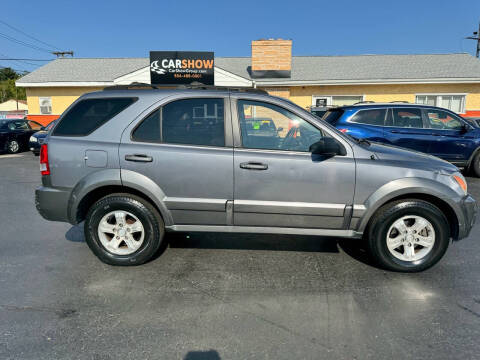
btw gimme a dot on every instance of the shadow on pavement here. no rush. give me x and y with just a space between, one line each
75 233
270 242
202 355
355 248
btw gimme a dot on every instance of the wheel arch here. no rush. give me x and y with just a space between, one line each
420 189
103 183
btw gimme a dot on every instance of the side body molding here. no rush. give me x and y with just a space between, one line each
407 186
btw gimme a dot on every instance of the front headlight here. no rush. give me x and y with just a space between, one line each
33 139
460 181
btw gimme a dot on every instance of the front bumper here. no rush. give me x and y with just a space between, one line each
469 209
34 146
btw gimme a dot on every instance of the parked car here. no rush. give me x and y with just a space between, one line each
134 164
14 134
37 139
319 110
473 121
428 129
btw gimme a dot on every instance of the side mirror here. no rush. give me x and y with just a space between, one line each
279 129
465 128
327 146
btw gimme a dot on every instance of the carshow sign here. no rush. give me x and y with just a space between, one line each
181 67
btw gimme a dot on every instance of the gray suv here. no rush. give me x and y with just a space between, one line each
134 163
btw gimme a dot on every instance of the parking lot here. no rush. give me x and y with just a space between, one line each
222 296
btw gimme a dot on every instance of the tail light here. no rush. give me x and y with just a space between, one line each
343 130
44 167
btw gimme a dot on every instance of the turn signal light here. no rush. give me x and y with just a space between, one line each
460 181
44 167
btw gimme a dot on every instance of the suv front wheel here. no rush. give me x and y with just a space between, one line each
408 235
123 229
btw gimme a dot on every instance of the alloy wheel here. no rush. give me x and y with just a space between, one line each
410 238
121 232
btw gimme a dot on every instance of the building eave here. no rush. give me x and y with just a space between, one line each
264 83
64 84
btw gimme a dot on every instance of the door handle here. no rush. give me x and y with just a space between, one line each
253 166
138 158
394 131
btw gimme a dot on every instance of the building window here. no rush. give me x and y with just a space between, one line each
455 103
45 105
336 100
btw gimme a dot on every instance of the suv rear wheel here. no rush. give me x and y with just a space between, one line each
408 235
123 229
475 166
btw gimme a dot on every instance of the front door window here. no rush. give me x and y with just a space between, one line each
267 126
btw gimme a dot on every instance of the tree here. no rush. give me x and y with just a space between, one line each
8 90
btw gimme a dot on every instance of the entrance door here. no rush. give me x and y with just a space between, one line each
278 182
185 148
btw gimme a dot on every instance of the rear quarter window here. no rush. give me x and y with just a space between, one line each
332 116
89 114
370 117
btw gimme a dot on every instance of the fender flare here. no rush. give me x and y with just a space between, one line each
117 177
406 186
89 183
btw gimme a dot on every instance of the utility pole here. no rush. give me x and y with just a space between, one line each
476 37
61 54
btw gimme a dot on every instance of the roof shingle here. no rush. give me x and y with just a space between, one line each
304 68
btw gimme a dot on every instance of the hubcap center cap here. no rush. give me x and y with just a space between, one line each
121 232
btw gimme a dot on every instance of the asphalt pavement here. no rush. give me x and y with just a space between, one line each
222 296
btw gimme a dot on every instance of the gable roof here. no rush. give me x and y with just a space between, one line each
305 69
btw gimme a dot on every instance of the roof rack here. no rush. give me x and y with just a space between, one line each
193 85
364 102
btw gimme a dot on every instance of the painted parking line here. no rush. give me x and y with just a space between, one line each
9 156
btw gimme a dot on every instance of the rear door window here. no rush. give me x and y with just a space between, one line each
194 122
34 125
407 118
149 129
370 117
89 114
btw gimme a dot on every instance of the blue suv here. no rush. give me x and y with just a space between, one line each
429 129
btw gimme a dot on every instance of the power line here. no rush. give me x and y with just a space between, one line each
20 59
27 35
12 39
8 67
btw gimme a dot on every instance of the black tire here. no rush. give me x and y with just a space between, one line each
475 166
387 215
13 146
148 215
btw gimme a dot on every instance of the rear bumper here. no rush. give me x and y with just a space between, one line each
52 204
469 209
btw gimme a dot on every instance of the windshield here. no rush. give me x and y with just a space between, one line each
50 126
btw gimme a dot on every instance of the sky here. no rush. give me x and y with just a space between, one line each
133 28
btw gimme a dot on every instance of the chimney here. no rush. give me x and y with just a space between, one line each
271 58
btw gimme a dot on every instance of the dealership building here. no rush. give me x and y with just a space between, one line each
446 80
